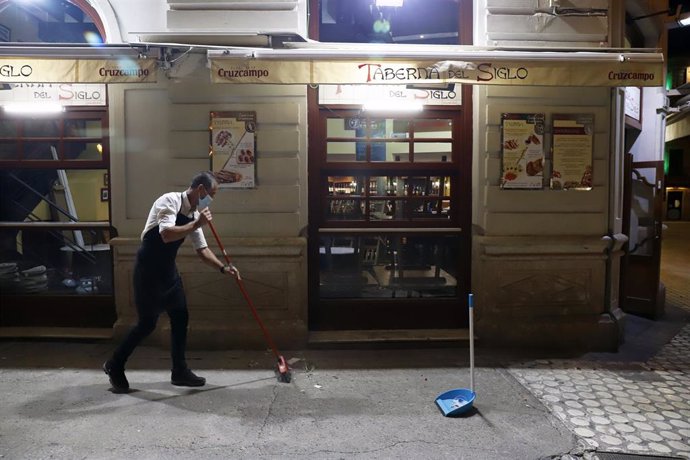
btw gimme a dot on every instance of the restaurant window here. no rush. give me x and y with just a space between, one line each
415 194
408 21
55 204
55 260
394 179
388 209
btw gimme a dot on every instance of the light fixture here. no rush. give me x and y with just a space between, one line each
395 3
392 106
30 108
672 20
71 51
466 56
432 86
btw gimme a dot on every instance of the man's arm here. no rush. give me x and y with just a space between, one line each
177 232
209 258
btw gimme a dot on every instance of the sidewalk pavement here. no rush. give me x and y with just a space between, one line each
638 399
55 403
619 406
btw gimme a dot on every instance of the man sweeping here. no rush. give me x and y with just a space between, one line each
157 283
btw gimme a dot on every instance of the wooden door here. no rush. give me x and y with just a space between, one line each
640 287
390 206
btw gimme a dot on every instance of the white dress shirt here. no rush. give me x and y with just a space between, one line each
164 214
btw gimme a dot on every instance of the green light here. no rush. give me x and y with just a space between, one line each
381 26
666 161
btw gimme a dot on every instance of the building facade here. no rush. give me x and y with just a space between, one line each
376 227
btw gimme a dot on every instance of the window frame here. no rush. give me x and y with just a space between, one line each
100 113
453 169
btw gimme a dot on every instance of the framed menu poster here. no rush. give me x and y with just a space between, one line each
233 148
522 150
633 106
572 151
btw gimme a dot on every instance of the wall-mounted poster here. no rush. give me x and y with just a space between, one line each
572 151
633 106
522 145
233 148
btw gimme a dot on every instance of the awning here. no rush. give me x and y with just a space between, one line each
75 64
318 63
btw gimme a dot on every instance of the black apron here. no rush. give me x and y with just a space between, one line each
157 283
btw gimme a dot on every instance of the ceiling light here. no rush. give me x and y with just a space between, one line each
43 108
392 106
396 3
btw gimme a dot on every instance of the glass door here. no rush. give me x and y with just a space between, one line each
389 220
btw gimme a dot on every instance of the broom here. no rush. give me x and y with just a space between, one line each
283 369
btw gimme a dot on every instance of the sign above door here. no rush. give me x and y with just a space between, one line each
436 65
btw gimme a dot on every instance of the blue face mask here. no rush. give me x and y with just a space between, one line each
204 202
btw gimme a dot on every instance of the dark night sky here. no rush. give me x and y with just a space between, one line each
679 38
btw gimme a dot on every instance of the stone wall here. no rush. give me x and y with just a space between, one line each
273 271
544 262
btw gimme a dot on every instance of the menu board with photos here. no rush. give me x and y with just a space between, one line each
633 106
572 152
233 148
522 150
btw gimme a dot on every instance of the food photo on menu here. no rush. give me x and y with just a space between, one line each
522 151
233 145
573 141
228 177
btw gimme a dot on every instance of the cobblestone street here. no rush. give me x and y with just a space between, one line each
615 403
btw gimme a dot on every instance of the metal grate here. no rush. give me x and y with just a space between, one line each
624 456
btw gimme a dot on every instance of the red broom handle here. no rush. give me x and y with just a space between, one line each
245 294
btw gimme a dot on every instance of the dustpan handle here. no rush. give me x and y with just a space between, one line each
470 304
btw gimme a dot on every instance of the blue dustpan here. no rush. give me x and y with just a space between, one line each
460 400
456 402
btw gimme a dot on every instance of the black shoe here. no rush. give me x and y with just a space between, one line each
186 378
116 374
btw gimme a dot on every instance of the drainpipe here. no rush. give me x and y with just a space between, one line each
614 249
608 252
